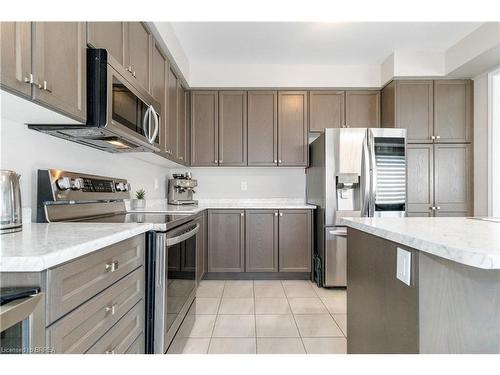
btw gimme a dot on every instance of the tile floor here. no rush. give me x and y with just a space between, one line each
263 317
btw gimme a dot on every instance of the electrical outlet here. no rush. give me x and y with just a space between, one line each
403 266
244 186
157 184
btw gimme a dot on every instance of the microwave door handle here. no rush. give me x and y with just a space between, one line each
157 125
146 124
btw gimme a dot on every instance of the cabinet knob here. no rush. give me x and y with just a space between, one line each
110 309
215 161
279 161
432 208
281 214
110 351
438 137
438 208
275 161
275 214
45 87
112 267
242 214
433 137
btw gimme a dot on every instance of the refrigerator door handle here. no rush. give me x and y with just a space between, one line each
365 179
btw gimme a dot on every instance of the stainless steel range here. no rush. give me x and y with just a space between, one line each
170 248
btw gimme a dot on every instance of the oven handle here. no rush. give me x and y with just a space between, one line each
18 310
183 237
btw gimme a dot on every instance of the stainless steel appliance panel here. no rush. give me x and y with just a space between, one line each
11 208
336 257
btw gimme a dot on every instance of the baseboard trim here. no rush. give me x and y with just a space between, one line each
257 276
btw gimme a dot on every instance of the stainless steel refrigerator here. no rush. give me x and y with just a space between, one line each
353 172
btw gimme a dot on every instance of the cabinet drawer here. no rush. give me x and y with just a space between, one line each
138 346
80 329
73 283
119 338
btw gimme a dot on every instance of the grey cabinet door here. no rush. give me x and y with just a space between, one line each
226 241
138 52
326 110
453 111
293 143
414 110
15 51
388 106
420 174
60 67
233 128
362 109
159 68
261 240
262 128
295 241
204 118
182 129
453 177
173 114
107 35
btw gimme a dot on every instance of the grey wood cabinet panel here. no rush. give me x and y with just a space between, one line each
226 240
414 110
388 106
261 240
15 52
204 128
420 175
453 172
293 145
173 114
123 334
138 346
232 128
326 110
202 247
138 52
453 110
159 68
362 109
182 129
295 240
107 35
60 67
82 328
75 282
419 214
262 128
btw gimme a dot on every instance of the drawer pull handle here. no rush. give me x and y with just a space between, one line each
112 267
111 351
111 309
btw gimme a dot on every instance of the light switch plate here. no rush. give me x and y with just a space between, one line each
403 267
244 186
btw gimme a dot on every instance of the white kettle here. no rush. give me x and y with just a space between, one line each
10 209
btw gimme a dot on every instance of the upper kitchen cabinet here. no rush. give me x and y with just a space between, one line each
60 67
262 125
453 111
232 128
182 146
173 114
138 52
293 144
16 73
204 120
107 35
409 105
362 109
326 110
159 68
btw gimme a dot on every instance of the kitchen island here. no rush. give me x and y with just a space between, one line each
423 285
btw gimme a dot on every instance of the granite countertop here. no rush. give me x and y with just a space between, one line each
467 241
41 246
161 205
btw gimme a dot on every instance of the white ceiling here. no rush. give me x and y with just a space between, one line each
312 43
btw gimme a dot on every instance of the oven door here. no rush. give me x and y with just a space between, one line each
175 282
22 328
131 112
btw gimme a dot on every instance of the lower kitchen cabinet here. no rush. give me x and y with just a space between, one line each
261 241
201 246
226 241
295 238
252 241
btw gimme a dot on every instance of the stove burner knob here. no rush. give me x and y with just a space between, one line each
77 184
119 186
63 183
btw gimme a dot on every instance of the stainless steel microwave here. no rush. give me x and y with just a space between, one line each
121 115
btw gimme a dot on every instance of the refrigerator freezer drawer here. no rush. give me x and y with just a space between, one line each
336 257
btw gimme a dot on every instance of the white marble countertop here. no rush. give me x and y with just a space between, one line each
203 204
471 242
41 246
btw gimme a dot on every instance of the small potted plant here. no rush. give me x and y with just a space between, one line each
139 201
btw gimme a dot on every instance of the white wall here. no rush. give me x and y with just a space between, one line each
481 145
26 151
261 182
